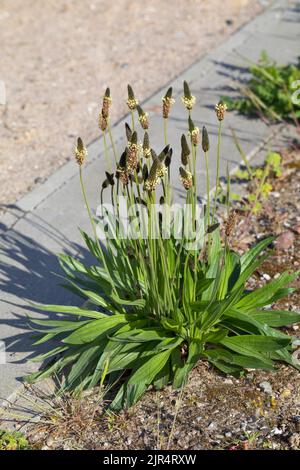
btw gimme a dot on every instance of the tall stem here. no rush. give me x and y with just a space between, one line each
112 143
218 167
166 131
132 119
106 153
94 226
207 189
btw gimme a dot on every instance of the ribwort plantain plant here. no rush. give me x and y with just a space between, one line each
160 297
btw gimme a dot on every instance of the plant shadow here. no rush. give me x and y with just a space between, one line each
29 273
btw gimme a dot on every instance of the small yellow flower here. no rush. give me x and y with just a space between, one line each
167 103
143 118
132 103
186 178
189 102
194 135
80 152
102 121
220 109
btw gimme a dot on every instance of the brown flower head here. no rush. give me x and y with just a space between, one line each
131 101
80 152
157 171
230 223
146 146
143 117
167 103
186 178
220 109
102 122
188 99
121 172
106 103
193 132
132 157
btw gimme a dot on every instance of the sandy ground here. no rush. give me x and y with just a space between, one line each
58 56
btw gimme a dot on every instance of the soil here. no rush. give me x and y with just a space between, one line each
57 57
261 410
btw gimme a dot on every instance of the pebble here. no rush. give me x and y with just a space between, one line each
266 276
296 420
276 432
212 425
294 441
285 240
266 387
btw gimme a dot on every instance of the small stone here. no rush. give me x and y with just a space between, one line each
295 327
50 441
212 426
296 420
228 434
228 381
276 432
294 441
266 276
285 240
266 387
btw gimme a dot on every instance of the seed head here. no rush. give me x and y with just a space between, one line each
80 152
188 99
106 103
185 150
102 121
131 101
186 178
157 171
205 140
143 117
121 172
146 146
193 132
167 103
132 155
128 132
220 109
230 223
